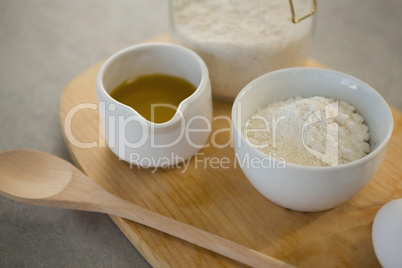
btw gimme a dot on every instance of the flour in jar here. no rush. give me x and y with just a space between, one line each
241 40
313 131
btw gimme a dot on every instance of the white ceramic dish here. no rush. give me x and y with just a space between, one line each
304 188
137 140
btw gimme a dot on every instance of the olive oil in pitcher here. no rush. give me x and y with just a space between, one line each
156 96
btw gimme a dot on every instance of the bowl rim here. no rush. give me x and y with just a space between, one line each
382 145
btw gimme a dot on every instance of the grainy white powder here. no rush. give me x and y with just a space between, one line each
313 131
240 40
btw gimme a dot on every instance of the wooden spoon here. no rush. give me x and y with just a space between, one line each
39 178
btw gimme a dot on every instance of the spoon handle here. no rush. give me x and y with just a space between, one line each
189 233
196 236
113 205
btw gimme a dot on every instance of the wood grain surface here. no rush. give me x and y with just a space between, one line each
219 199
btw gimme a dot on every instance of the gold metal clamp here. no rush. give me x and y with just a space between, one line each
292 9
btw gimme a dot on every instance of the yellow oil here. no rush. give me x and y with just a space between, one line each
156 96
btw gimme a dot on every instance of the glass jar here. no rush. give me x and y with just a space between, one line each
240 40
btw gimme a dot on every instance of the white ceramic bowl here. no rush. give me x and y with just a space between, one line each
137 140
306 188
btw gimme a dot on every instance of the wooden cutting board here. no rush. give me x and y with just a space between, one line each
220 200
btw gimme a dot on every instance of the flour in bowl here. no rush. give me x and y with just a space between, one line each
313 131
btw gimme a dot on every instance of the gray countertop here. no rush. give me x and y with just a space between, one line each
44 44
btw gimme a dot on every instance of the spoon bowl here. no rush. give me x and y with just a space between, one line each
51 175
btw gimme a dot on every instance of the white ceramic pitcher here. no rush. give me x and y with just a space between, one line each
139 141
